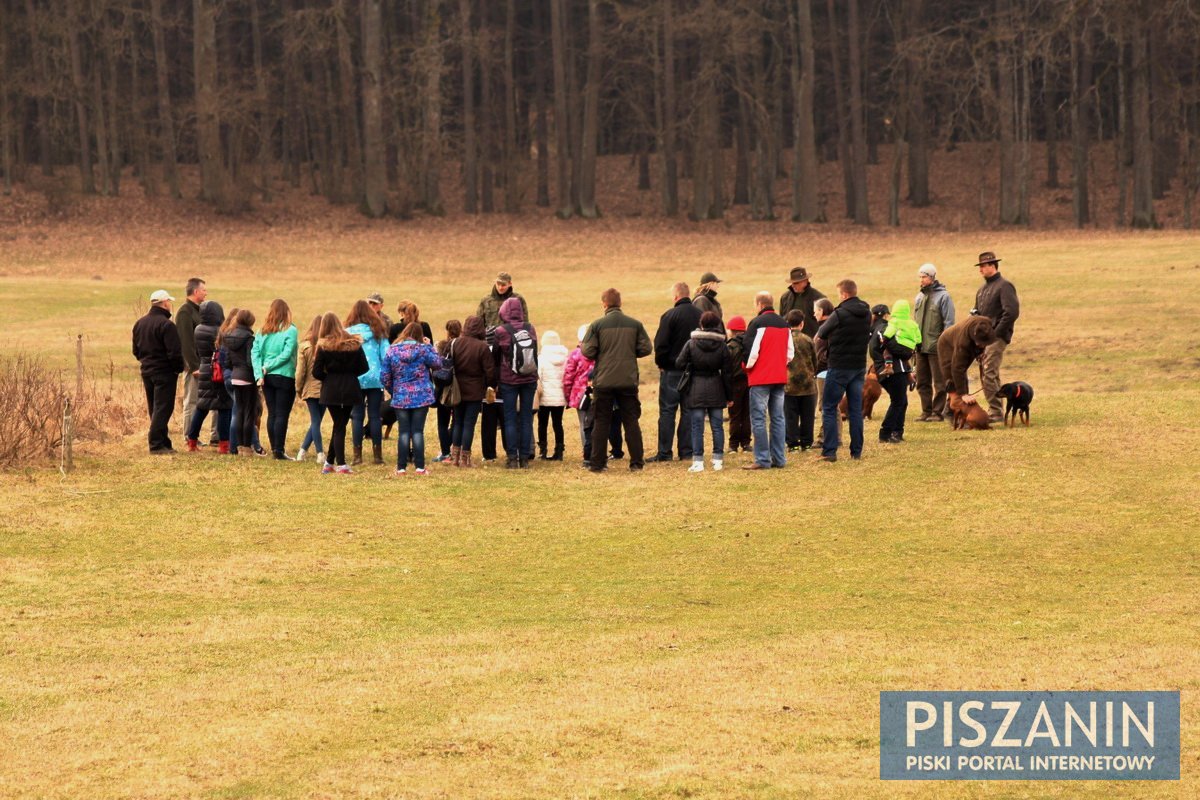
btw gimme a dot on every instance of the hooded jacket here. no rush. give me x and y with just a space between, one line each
512 313
373 348
474 365
712 367
209 395
884 348
552 364
961 344
770 349
275 353
489 307
156 343
847 330
405 373
615 342
901 327
933 311
803 302
997 300
575 376
706 300
307 386
802 369
338 369
674 328
238 344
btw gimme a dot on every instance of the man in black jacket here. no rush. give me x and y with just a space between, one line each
674 329
996 300
187 319
801 295
847 331
156 346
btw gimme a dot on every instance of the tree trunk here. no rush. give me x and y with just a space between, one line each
670 164
38 48
208 124
115 157
1143 145
840 110
87 179
1010 210
1121 144
102 153
541 126
512 203
137 111
374 170
348 102
1081 111
562 113
166 120
916 126
263 117
806 179
741 145
591 117
862 209
487 114
1050 109
470 149
6 127
293 139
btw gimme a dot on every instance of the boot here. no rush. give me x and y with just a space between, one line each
558 452
522 462
223 447
357 456
455 456
377 454
542 451
193 445
465 459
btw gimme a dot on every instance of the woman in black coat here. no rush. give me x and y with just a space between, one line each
709 364
340 360
238 344
210 395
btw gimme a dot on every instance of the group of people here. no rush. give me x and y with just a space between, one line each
768 375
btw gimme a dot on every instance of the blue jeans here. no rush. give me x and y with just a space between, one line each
670 401
518 418
462 430
372 407
411 422
764 401
718 432
224 419
839 382
316 413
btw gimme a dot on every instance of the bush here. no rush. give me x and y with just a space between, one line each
32 402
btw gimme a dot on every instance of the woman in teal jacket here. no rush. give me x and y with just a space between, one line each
274 360
365 323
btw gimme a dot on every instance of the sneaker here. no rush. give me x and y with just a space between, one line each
718 465
698 466
421 471
327 469
896 437
440 457
320 457
300 455
343 469
258 451
400 473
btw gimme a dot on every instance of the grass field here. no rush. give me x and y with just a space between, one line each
223 628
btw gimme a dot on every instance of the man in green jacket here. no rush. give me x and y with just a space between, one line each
996 300
489 306
187 319
615 342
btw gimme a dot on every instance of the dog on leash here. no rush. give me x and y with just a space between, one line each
962 416
871 393
1018 395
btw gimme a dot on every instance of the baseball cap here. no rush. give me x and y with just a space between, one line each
160 295
709 277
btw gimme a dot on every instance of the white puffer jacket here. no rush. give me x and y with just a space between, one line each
552 360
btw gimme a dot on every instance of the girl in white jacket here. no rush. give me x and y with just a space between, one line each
551 363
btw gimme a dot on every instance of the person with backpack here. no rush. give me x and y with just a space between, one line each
404 371
339 364
210 382
707 369
552 399
475 370
308 389
739 412
516 359
274 359
363 322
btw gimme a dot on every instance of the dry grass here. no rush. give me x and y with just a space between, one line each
217 628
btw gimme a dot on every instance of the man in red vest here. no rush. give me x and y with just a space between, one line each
768 351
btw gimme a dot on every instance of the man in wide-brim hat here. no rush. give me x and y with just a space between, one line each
996 300
802 296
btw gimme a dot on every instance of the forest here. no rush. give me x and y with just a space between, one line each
492 106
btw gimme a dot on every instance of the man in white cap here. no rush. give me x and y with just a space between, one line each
156 346
933 311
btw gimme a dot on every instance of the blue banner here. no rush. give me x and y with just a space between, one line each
1072 736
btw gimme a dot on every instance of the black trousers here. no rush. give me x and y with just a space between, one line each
893 421
160 403
630 410
247 411
491 419
799 411
547 414
336 453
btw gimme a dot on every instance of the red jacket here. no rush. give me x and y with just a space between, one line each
768 349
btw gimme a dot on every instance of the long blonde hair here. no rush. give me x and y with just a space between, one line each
279 317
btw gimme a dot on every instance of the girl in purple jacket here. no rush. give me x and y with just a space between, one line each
404 372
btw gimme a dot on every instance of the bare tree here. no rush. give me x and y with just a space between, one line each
374 171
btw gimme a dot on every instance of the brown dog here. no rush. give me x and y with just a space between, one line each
871 393
971 417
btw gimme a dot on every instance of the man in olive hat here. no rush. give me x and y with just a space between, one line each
802 296
706 294
489 306
375 301
996 300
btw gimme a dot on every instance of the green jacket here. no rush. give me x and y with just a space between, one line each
187 318
275 353
615 342
901 326
802 369
489 307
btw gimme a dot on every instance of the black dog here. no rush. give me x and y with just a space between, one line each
1019 395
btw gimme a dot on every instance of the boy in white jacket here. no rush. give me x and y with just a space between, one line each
552 360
